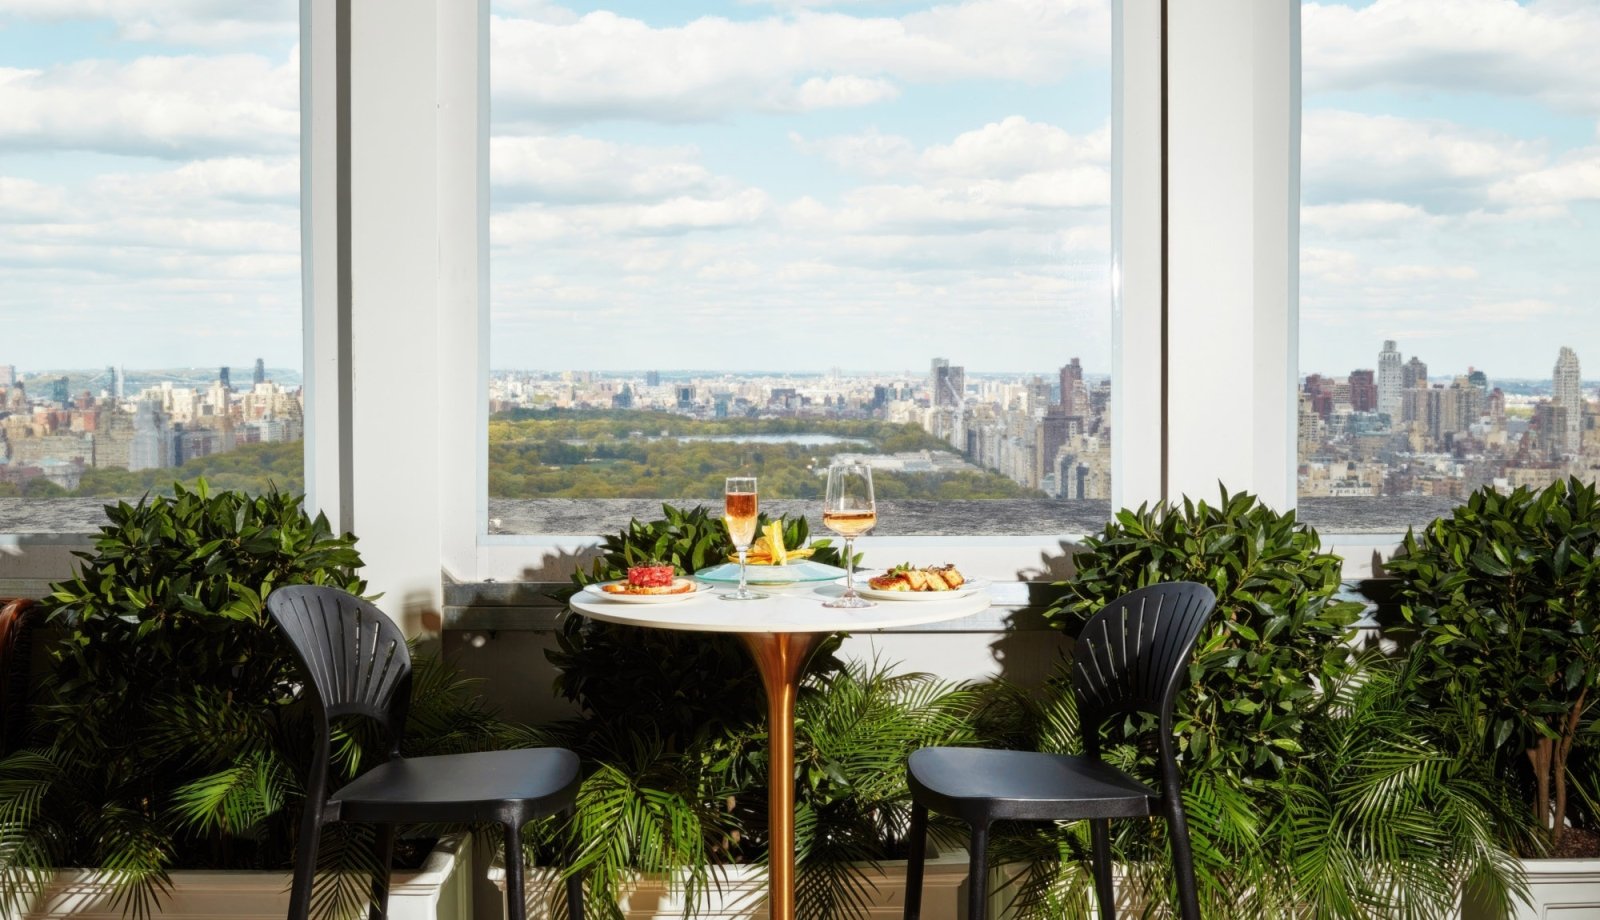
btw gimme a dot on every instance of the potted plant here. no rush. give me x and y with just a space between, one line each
1502 598
673 811
1312 787
170 734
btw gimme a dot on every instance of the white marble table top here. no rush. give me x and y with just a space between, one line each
786 610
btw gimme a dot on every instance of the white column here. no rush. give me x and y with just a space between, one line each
395 371
1233 248
319 259
1136 254
463 345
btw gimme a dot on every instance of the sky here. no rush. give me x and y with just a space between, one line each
795 185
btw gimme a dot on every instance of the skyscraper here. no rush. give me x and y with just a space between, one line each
8 375
261 372
1568 394
1389 381
223 378
946 383
1414 375
1363 391
1071 383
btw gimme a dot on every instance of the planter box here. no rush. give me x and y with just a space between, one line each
1003 880
743 893
1559 889
440 890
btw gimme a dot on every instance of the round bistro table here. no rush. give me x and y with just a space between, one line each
781 631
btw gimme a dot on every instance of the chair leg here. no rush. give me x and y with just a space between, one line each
917 842
383 851
1183 863
305 863
978 873
574 882
516 895
1100 837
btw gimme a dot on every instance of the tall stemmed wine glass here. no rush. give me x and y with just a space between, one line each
740 509
849 511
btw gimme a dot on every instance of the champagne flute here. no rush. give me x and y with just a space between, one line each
849 511
740 509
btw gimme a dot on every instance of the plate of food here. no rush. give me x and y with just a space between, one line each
909 582
793 573
648 584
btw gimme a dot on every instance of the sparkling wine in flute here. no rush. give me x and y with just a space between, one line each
849 523
849 510
741 508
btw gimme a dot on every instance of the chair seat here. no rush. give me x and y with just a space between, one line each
475 787
980 785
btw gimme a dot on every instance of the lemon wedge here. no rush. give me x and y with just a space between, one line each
775 547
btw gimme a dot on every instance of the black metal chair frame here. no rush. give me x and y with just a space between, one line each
357 664
1131 657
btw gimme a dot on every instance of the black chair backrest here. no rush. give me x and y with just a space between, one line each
1133 654
353 654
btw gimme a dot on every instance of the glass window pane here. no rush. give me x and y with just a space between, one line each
755 236
150 322
1449 223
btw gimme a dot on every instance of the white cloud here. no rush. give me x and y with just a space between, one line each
604 65
1011 172
1435 163
869 153
1362 218
840 92
1543 50
1014 147
1576 178
22 200
1410 273
573 168
206 23
157 106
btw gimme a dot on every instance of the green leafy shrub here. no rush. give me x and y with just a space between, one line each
1504 598
171 735
1278 633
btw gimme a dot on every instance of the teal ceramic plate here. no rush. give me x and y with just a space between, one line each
794 574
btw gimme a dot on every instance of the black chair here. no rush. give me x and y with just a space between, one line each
1132 656
357 664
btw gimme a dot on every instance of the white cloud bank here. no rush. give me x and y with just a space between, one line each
550 68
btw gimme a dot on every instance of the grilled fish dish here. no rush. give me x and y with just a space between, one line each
908 577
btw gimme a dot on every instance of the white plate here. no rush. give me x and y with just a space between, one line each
594 591
972 586
792 574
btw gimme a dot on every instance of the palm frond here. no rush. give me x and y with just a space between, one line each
235 800
132 848
346 866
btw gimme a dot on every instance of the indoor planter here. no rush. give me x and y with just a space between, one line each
1502 598
440 888
739 893
171 733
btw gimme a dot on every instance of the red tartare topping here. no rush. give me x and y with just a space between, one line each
650 576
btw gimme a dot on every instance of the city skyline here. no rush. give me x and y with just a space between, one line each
1449 165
